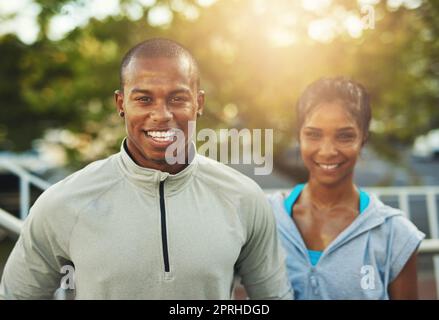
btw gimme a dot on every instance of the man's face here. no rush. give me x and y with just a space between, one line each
160 95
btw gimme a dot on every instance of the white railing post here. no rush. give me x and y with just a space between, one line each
26 180
10 222
24 197
434 231
404 205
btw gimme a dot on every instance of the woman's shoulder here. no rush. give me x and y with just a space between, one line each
402 236
281 201
276 198
395 227
280 196
394 218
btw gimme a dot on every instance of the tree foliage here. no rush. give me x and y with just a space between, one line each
246 68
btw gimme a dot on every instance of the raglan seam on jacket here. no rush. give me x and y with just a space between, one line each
80 211
244 225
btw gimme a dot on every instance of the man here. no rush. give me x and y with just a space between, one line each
137 226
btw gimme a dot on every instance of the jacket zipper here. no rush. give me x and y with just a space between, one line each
163 224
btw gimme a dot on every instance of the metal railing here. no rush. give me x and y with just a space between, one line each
26 180
9 222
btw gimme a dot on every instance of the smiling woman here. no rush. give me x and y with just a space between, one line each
341 242
333 123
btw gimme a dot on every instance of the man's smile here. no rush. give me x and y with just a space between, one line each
160 138
161 135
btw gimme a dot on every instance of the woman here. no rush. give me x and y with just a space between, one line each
341 242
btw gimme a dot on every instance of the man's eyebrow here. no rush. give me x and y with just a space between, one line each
146 91
137 90
177 91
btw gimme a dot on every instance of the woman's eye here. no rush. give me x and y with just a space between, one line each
312 134
346 137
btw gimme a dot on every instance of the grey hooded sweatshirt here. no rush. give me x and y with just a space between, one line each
360 263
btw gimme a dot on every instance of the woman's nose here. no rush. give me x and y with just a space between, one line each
327 148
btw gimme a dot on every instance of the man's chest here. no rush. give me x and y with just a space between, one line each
138 241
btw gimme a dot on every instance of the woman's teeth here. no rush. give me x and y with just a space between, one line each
328 166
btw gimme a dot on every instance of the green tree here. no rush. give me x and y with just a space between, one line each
255 57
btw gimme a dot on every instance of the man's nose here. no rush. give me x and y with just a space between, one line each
161 112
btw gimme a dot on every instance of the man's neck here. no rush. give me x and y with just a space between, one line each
160 165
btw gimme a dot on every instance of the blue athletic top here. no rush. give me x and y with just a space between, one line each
315 255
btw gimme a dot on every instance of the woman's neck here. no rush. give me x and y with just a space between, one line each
328 196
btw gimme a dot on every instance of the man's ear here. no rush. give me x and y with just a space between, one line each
200 102
118 99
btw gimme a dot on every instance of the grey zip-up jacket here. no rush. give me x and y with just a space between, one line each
137 233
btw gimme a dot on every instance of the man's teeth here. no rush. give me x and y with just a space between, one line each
329 166
161 135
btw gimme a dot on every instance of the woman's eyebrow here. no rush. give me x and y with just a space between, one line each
346 129
313 128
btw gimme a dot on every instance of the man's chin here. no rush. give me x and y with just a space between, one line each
158 156
161 161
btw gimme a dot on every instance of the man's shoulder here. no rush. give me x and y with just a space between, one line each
94 172
83 184
220 175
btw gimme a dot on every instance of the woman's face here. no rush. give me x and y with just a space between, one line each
330 142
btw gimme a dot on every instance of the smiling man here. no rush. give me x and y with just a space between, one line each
159 95
134 226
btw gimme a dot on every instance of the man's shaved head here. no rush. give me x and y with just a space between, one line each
158 48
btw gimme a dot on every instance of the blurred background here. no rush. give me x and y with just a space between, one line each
59 66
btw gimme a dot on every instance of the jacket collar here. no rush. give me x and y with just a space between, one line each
149 179
376 214
373 216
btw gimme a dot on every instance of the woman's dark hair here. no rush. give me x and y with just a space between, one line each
350 94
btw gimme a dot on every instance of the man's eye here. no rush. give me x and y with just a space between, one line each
178 99
144 99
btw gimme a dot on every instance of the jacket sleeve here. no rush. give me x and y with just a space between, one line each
261 264
406 239
33 269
